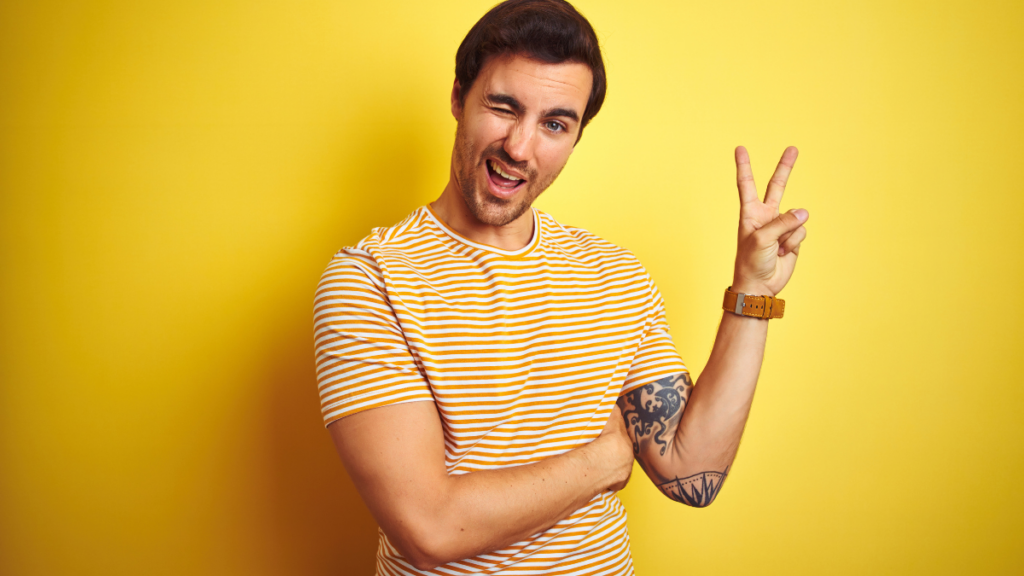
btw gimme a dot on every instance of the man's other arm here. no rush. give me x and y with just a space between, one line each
684 436
395 455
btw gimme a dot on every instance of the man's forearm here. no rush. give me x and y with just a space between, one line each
395 457
491 509
709 433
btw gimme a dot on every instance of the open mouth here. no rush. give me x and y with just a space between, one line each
503 184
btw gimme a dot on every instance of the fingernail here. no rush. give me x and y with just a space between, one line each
800 214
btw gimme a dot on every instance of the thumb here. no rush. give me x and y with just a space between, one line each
785 223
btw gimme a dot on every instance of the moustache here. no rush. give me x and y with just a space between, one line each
498 151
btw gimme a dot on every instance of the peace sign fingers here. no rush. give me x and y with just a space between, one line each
768 242
777 185
745 177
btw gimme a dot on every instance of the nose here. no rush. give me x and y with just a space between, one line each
519 142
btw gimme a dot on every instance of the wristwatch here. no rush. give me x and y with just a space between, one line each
753 306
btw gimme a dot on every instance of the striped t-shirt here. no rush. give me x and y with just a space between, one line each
524 353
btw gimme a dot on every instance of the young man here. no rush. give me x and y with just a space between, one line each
488 375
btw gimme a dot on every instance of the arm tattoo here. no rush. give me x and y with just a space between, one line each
652 414
697 490
652 410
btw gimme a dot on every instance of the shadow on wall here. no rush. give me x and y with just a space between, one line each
321 523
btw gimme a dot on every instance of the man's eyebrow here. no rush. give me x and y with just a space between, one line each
507 100
564 112
517 106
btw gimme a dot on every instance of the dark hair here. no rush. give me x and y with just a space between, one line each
551 31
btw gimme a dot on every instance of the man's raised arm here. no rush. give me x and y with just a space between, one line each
684 436
395 456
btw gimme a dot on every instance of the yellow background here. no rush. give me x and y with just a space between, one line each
175 176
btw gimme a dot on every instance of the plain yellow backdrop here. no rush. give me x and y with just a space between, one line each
174 177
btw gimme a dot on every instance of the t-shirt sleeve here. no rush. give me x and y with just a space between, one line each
362 358
657 356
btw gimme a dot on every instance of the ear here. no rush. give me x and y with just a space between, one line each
456 107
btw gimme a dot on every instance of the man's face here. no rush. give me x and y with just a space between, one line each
516 130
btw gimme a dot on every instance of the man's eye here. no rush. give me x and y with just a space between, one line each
554 126
502 110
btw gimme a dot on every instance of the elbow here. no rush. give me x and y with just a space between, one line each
697 491
422 544
690 499
418 550
423 560
695 503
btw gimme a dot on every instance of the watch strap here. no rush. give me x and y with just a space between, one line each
753 306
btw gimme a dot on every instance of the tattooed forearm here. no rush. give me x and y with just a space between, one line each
698 490
652 412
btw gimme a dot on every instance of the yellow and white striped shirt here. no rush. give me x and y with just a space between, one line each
524 353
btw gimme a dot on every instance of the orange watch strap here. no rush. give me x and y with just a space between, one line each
753 306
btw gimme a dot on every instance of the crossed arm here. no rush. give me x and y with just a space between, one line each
395 457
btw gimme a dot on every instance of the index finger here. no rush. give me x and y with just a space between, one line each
745 177
777 185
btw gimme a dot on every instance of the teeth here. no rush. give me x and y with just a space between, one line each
496 168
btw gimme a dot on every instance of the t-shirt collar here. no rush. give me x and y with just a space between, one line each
534 240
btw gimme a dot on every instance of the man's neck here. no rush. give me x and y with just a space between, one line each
451 209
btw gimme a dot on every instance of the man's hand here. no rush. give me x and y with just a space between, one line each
768 242
619 446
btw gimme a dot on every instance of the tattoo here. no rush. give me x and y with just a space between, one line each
652 413
653 410
698 490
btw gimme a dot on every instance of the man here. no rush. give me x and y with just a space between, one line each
488 375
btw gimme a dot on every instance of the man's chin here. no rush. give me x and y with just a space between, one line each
494 211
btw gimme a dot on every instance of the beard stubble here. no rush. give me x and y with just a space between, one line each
486 208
